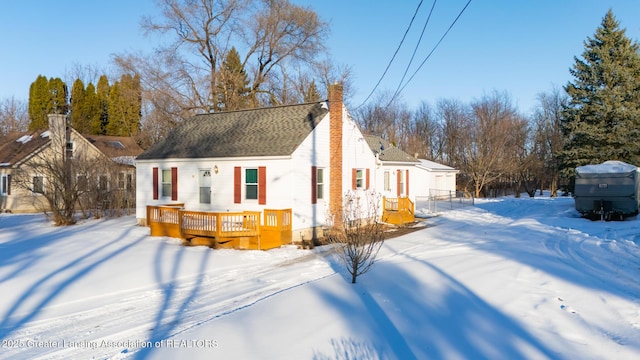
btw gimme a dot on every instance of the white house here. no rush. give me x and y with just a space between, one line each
302 157
438 179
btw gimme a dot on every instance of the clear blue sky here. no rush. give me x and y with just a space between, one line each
521 47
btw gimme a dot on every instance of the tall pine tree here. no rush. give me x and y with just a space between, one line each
602 119
46 97
102 92
39 103
76 115
233 88
125 107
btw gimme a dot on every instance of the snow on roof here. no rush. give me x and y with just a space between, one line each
607 167
24 139
45 134
431 165
5 164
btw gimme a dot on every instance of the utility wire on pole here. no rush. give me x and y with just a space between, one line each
430 53
393 57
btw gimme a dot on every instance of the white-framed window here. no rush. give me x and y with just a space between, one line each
359 179
38 184
251 183
129 181
166 183
4 184
103 183
122 182
320 183
387 181
401 182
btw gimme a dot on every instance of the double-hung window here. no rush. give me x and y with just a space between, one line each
38 185
320 183
4 184
251 183
166 183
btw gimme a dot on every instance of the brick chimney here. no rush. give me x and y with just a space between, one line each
335 151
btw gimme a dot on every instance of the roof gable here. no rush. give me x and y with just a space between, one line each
15 147
386 151
273 131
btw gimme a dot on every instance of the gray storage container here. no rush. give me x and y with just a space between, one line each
608 190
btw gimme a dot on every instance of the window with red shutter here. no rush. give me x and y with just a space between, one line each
174 183
237 185
314 184
262 185
155 183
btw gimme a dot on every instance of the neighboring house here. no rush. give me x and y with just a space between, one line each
301 157
27 166
439 180
395 174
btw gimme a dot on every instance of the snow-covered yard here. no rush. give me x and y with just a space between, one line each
506 279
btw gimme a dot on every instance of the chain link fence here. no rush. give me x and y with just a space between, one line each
442 200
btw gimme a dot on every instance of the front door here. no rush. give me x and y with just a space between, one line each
205 186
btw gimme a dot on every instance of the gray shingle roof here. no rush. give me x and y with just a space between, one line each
272 131
386 151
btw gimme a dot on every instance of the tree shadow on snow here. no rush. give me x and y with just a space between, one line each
26 248
174 299
45 290
411 319
586 258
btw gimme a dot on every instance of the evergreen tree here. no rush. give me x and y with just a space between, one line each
233 92
46 97
58 95
77 115
602 119
100 127
124 107
38 103
312 94
91 109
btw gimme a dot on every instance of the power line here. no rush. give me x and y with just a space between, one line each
394 55
430 53
406 70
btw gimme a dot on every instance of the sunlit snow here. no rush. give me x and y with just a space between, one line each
506 279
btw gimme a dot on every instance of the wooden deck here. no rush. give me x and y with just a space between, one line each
238 230
398 211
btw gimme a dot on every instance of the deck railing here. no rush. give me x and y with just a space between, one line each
219 224
222 227
164 220
398 210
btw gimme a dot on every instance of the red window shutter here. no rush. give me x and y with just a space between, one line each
406 181
314 184
174 183
237 185
262 185
367 179
155 183
354 183
8 184
399 181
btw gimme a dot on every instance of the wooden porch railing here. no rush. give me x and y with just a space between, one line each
233 229
219 224
164 220
398 211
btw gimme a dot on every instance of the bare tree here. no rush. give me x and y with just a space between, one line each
359 237
13 116
273 35
548 135
484 153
